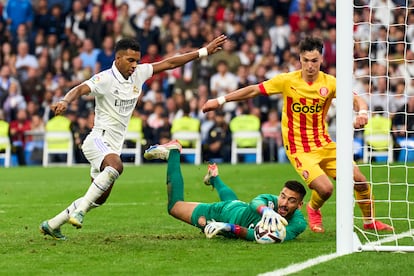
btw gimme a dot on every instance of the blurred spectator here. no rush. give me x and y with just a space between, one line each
229 54
122 20
18 12
403 120
95 28
379 123
18 127
57 23
148 12
24 60
89 54
397 99
73 20
222 83
380 95
329 49
217 146
41 17
246 121
34 141
279 33
272 139
13 102
159 124
106 55
33 87
108 10
8 54
80 130
153 55
65 5
22 35
301 20
45 110
185 123
145 34
6 79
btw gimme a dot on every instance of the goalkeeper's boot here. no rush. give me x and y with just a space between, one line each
162 151
212 171
315 220
45 229
378 225
76 219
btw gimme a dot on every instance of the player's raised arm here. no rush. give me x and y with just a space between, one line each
361 107
77 91
179 60
244 93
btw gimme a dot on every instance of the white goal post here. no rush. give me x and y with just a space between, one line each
395 200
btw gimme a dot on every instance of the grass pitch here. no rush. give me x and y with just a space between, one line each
132 234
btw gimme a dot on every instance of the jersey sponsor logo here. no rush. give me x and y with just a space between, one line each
323 91
125 106
305 174
298 107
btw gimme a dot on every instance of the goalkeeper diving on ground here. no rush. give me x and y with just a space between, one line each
231 217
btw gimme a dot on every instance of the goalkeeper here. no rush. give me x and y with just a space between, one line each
230 217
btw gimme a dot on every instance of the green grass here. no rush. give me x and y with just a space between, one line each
132 234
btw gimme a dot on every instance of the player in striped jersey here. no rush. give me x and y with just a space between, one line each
307 96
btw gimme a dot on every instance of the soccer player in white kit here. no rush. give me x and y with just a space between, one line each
116 91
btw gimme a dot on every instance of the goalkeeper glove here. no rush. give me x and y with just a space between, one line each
271 220
214 227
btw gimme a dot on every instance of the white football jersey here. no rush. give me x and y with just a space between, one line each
115 100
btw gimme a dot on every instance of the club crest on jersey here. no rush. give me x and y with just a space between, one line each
135 90
305 174
323 91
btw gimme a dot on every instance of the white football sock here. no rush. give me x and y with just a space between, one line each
101 183
63 216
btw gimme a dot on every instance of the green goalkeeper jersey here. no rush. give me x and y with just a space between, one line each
246 215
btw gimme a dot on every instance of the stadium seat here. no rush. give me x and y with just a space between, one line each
58 141
406 149
135 151
132 148
5 150
256 149
372 150
194 139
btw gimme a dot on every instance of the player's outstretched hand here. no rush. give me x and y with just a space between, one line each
210 105
215 227
59 107
271 220
215 44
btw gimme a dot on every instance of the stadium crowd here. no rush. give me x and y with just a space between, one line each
49 46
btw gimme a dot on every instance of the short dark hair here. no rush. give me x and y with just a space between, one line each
127 43
296 186
311 43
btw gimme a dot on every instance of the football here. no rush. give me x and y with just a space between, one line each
264 236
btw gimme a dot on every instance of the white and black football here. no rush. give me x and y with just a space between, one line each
265 236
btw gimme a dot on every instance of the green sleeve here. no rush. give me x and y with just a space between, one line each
250 234
297 225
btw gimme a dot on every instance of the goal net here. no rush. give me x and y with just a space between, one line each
383 74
